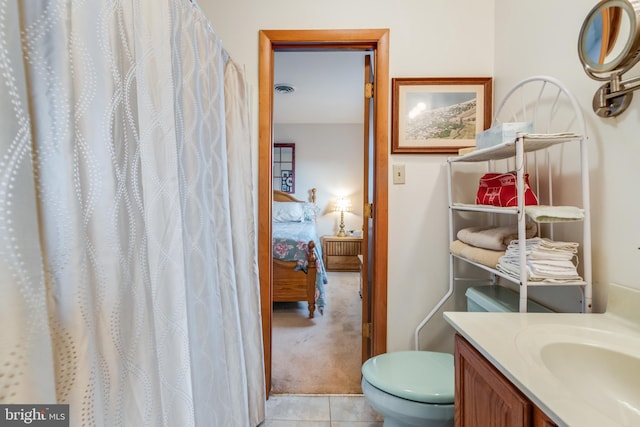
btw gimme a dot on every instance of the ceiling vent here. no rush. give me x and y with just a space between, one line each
283 88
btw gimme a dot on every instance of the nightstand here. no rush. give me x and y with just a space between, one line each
341 253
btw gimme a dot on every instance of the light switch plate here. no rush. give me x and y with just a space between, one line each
398 174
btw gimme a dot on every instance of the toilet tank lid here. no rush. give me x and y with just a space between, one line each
500 299
421 376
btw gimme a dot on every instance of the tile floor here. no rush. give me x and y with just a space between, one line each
296 410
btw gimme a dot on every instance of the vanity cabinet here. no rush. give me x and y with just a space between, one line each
486 398
540 419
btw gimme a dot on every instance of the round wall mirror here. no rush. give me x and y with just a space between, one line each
608 46
609 41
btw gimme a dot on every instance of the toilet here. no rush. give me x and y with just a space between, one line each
415 388
410 388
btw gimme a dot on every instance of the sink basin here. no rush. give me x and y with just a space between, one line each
598 367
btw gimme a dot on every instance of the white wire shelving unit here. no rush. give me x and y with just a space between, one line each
557 122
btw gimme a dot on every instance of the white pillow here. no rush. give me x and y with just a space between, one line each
311 211
288 212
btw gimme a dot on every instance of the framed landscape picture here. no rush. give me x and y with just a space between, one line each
439 114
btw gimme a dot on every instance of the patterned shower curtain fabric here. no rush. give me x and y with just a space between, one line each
26 359
128 259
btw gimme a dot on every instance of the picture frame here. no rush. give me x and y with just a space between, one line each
439 115
284 167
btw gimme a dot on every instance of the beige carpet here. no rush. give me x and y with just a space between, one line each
320 355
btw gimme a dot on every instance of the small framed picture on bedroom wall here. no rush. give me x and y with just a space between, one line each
284 167
439 114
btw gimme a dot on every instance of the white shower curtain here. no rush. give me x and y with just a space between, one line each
128 265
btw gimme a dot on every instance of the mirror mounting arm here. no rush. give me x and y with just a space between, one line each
615 82
618 87
613 97
609 46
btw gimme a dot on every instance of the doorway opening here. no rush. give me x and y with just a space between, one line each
376 256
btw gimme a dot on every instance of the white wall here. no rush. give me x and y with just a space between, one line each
434 38
441 38
550 47
330 158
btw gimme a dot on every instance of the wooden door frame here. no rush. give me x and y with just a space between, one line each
365 39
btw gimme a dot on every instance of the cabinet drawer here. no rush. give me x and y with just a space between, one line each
342 263
342 247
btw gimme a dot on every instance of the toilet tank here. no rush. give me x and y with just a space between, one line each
498 299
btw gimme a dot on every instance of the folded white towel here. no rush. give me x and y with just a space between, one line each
542 213
542 254
480 255
561 267
543 244
494 238
538 273
546 260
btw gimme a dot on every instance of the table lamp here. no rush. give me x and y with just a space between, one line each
342 205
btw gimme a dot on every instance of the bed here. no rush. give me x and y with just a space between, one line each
298 271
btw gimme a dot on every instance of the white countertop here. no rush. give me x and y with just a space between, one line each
505 340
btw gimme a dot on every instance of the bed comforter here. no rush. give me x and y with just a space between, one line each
290 243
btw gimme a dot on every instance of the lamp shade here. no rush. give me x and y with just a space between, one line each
343 205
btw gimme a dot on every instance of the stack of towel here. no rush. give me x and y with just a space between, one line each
485 245
547 260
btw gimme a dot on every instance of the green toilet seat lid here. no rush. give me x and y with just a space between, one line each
421 376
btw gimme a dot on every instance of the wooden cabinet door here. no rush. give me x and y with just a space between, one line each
483 396
540 419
